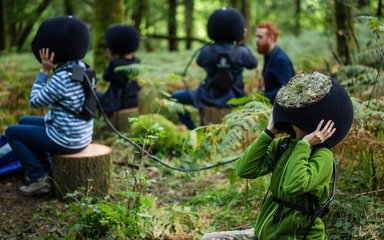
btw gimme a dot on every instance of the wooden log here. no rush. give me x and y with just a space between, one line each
120 118
212 115
90 168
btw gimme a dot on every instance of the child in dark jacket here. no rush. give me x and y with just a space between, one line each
226 29
59 44
122 41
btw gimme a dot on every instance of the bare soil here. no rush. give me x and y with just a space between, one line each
17 219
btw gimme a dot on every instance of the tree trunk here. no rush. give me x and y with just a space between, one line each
2 29
236 4
379 8
188 22
141 9
246 11
363 3
105 15
172 25
68 7
297 18
344 30
30 22
92 167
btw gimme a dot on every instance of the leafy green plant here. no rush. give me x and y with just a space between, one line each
92 218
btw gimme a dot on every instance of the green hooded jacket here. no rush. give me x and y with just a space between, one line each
295 174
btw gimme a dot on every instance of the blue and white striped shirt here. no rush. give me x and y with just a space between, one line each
62 127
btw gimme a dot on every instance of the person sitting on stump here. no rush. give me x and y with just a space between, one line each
122 41
59 45
223 61
317 113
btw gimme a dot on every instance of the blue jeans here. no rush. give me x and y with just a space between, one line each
185 97
33 147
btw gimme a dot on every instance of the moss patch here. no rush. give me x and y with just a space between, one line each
304 89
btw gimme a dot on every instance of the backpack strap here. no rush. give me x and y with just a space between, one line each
279 152
79 75
323 209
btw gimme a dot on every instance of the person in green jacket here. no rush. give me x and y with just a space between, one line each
301 177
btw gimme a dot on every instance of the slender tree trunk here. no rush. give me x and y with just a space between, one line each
172 25
141 9
188 22
236 4
344 30
246 11
2 29
68 8
105 15
297 18
379 8
31 21
9 23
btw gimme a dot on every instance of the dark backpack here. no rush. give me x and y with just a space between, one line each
87 76
223 80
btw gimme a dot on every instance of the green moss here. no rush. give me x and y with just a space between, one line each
304 89
155 127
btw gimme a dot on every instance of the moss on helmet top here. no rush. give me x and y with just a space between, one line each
304 89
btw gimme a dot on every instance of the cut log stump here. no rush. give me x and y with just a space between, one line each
120 118
90 168
212 115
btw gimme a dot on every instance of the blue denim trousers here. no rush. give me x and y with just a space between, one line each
185 97
33 147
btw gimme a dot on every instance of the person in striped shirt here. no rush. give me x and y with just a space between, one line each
35 138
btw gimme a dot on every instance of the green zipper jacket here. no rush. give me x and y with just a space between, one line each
294 174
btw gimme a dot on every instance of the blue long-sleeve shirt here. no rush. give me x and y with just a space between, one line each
243 58
277 70
62 127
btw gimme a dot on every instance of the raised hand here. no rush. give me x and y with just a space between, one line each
271 124
321 135
46 60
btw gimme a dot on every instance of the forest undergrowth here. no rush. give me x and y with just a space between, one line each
150 201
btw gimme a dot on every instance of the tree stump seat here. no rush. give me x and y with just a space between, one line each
212 115
120 118
91 168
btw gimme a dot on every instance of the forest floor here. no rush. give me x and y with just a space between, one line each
17 212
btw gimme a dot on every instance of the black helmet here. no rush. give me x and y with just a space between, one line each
226 24
122 39
333 104
66 36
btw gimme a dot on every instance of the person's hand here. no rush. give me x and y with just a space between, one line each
46 60
271 124
321 135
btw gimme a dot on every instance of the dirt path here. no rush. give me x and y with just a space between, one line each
16 212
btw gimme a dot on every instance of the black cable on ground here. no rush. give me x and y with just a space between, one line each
150 156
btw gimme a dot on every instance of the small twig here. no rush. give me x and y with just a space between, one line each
370 192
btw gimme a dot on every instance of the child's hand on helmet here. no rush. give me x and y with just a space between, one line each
321 135
46 60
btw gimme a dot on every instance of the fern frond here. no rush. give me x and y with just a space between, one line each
370 57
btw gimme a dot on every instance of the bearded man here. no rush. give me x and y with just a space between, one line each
278 67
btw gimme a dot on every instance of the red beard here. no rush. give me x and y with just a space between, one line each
263 49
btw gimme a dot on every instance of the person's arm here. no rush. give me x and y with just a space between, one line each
204 58
305 173
248 59
257 160
42 93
